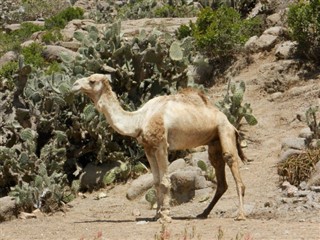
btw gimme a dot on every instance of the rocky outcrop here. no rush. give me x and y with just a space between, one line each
8 209
185 181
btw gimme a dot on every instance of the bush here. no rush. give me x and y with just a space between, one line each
33 55
63 17
51 36
298 167
222 32
34 9
6 74
304 25
13 40
183 31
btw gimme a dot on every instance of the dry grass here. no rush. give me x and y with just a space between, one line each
298 167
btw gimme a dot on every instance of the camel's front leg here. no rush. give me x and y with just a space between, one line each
150 153
163 191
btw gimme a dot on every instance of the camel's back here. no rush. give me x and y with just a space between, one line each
189 119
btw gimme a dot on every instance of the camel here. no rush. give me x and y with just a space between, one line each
174 122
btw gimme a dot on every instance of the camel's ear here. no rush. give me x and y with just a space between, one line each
109 77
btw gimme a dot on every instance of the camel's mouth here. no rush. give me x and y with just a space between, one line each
76 88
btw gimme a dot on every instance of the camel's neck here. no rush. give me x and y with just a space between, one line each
125 123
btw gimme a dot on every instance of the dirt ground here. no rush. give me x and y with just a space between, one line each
114 217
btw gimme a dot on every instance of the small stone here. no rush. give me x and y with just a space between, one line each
136 212
315 189
303 185
25 215
301 193
291 191
268 204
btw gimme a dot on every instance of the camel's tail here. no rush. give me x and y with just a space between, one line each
240 152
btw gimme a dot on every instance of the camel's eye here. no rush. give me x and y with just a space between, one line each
91 82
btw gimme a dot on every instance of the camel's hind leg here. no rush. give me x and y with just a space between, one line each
216 159
230 154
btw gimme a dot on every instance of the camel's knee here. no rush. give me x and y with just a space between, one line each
229 159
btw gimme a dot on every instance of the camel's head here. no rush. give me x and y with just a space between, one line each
92 86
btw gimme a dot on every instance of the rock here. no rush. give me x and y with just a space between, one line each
8 57
25 215
53 53
291 191
273 19
314 179
27 43
288 153
266 42
293 143
314 144
38 22
77 25
275 31
286 50
74 45
301 193
176 165
249 208
92 176
183 185
136 212
305 133
315 189
250 45
288 189
274 96
303 185
100 196
139 186
12 27
8 209
197 156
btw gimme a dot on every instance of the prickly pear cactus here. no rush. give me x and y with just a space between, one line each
232 106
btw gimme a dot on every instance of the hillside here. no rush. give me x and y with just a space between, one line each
270 216
280 89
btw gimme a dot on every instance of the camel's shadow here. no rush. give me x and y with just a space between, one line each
140 219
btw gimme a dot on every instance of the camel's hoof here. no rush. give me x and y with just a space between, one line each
240 217
165 219
202 216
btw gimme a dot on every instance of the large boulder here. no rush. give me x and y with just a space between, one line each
8 57
140 186
286 50
92 175
8 209
183 185
53 53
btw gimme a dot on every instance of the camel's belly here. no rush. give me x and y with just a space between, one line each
189 138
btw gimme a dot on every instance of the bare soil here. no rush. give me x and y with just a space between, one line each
114 217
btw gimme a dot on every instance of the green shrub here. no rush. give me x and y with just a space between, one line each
51 36
304 25
7 72
13 40
63 17
33 55
183 31
34 9
222 32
